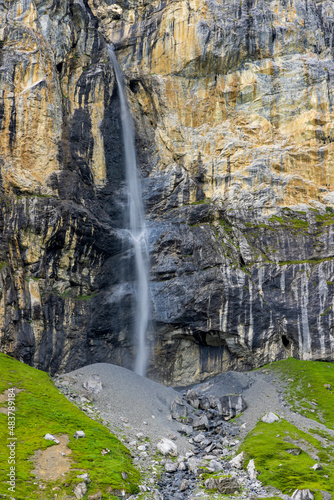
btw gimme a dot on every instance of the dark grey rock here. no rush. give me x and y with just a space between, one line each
232 405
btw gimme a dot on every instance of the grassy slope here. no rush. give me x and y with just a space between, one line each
42 409
267 443
306 389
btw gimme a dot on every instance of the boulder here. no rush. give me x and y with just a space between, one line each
192 398
326 495
269 418
215 466
84 477
193 464
201 422
199 438
185 485
79 434
251 470
80 490
167 447
232 405
171 467
294 451
226 485
179 410
204 403
186 429
317 467
302 495
50 437
238 461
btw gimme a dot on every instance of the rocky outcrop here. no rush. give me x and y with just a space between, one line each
232 103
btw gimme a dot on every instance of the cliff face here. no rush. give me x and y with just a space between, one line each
233 104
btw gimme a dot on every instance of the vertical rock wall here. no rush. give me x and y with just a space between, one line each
233 104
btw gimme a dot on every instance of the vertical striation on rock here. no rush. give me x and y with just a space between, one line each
233 109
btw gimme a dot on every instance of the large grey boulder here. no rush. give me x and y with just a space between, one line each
226 485
232 405
201 422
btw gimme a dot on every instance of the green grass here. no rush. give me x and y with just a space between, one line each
267 445
42 409
308 385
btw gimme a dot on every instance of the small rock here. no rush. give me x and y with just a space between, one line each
171 467
317 467
79 434
124 475
193 464
251 470
50 437
140 435
269 418
142 447
167 447
238 461
93 384
326 495
199 438
85 477
182 466
185 485
294 451
186 429
215 466
328 387
302 495
80 490
105 451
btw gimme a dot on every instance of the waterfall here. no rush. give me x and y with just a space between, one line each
137 227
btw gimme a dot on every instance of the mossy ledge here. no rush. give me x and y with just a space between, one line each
41 409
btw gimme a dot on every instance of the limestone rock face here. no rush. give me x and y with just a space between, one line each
233 108
61 177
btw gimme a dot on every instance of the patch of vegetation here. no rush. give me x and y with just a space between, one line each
41 409
267 444
290 223
326 219
85 297
2 265
304 261
206 201
306 387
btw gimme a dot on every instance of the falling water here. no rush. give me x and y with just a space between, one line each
137 222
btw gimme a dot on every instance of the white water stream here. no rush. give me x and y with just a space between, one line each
137 223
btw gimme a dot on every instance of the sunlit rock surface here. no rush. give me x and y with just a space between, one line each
233 105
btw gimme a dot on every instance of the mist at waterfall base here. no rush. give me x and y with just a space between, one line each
137 226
